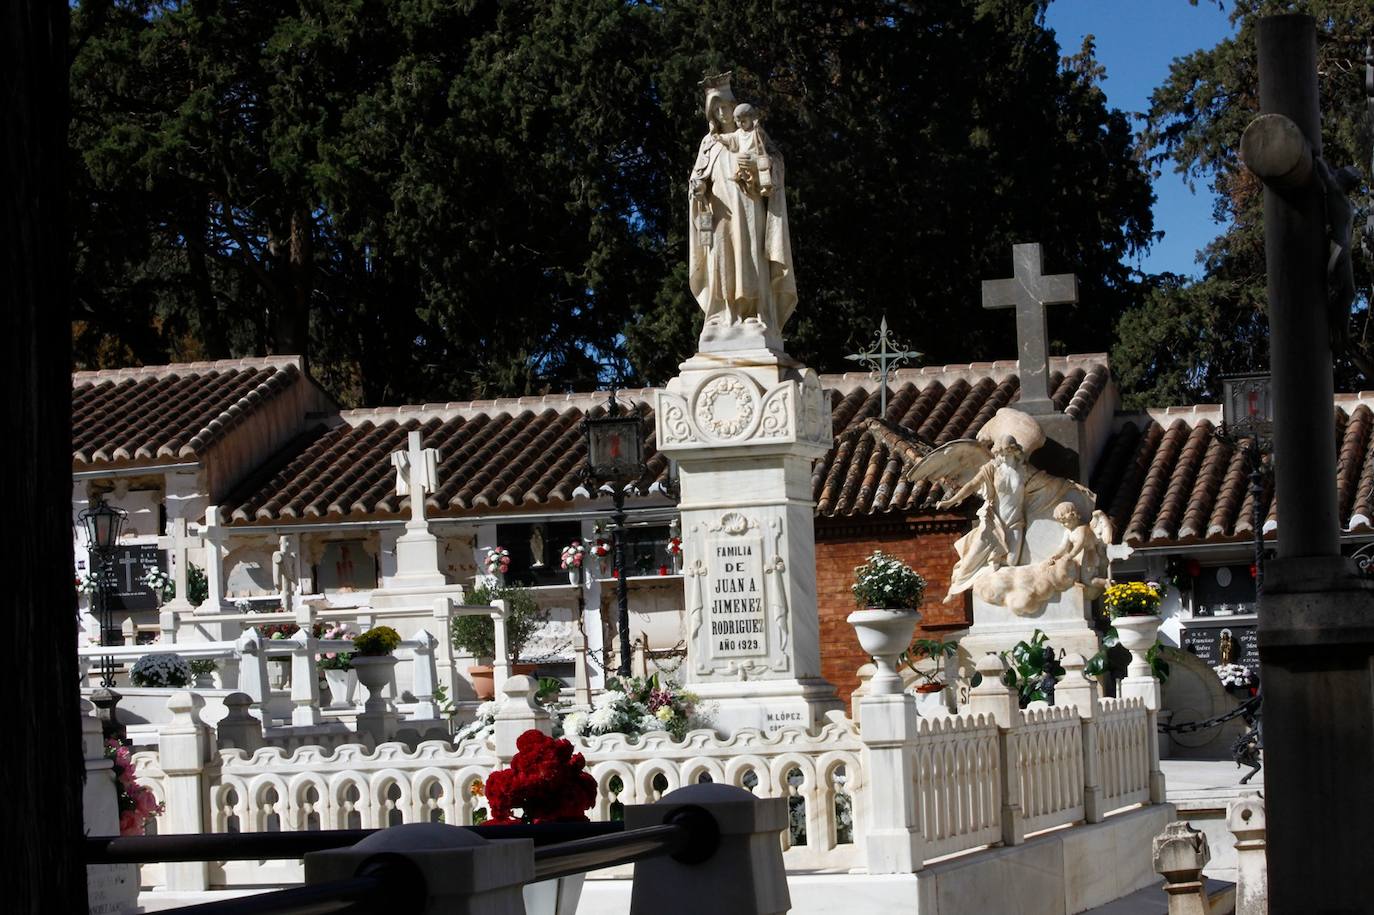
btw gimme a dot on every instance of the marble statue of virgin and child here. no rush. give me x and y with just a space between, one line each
740 257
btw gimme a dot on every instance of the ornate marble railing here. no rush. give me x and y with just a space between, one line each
1049 759
958 783
1125 741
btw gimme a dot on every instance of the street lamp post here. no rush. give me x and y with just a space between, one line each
103 524
615 455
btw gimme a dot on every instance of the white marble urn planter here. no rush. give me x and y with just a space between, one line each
342 686
374 673
1137 634
884 635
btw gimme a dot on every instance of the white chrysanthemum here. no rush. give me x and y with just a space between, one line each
487 710
602 720
664 713
650 723
575 723
608 698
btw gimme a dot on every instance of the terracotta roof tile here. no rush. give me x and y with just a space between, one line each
169 413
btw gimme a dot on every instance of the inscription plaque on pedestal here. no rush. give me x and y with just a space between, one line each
129 564
735 608
1209 638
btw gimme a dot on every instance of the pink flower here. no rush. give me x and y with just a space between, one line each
130 824
147 802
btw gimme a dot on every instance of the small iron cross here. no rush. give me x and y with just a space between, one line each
1028 290
884 355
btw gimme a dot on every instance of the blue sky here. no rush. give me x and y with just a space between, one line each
1136 41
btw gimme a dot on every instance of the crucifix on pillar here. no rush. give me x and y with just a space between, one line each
177 546
417 473
883 356
1028 290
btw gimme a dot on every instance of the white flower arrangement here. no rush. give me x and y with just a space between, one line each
887 583
575 724
156 580
162 670
1234 674
86 583
482 724
573 555
497 561
634 707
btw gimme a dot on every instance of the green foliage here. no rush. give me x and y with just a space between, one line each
202 666
1028 664
885 582
1174 346
197 587
933 650
377 641
399 189
477 634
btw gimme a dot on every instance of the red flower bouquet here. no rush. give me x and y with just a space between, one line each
547 782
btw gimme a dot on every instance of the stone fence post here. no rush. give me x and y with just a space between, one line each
501 645
305 678
184 748
1245 819
894 843
253 669
423 675
238 729
1081 691
110 887
1147 688
517 714
1180 854
1002 703
445 668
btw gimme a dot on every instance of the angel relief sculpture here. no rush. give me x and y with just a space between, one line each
995 561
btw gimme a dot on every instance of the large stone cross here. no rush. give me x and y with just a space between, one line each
177 545
417 473
1028 290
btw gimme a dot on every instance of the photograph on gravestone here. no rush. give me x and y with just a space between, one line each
345 565
130 563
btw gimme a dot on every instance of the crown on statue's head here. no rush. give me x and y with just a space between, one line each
720 80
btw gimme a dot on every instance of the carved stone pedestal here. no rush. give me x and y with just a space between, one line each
745 428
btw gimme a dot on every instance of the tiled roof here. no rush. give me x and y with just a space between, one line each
1169 479
168 413
528 453
493 455
926 408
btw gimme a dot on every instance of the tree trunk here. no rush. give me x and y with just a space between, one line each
44 872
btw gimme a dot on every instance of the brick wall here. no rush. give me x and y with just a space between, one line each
925 543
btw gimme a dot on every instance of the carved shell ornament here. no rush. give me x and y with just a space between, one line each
725 407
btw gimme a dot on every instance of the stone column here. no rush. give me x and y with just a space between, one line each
183 750
423 676
1245 819
445 666
305 680
1001 703
894 843
110 887
517 714
745 429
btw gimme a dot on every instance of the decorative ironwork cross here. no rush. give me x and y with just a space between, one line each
884 355
1028 290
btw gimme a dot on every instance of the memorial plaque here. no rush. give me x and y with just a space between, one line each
735 609
111 889
1206 642
129 564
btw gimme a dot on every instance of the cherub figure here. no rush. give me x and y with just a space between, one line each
750 144
1083 552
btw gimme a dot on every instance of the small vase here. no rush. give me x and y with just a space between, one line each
1137 634
205 680
575 576
374 673
342 685
884 635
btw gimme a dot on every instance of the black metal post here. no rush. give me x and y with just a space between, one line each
101 571
622 589
1316 624
1257 513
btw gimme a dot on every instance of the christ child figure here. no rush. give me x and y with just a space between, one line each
1082 550
749 143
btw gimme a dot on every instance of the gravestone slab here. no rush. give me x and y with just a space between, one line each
130 563
1203 638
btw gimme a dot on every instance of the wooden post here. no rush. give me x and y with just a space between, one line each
1316 616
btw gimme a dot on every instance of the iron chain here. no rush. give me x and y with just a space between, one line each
1189 727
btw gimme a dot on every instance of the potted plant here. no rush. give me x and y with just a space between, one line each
546 783
934 651
339 675
1033 669
497 563
888 593
203 670
162 670
374 662
1134 609
476 634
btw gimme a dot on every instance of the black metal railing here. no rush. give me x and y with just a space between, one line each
389 881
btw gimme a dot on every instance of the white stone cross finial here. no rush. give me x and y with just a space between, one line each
1028 290
177 544
417 473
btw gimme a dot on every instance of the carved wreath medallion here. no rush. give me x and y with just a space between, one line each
725 407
